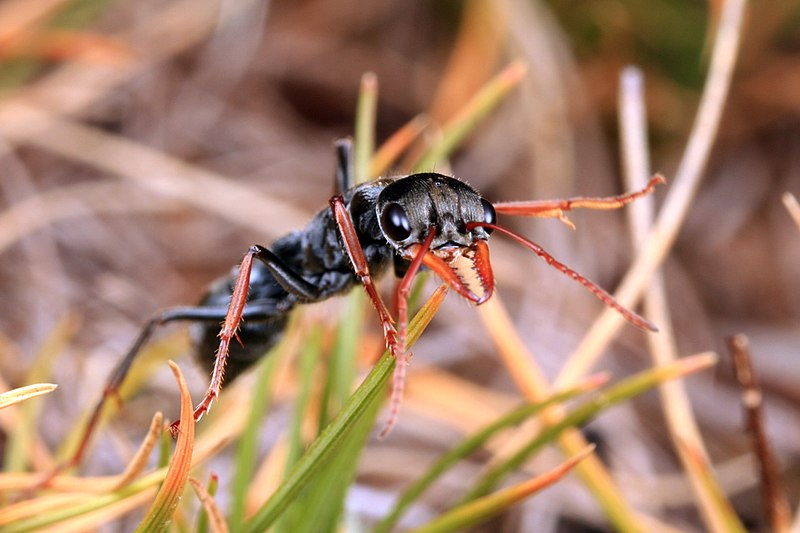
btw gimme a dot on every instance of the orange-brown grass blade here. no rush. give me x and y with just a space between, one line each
139 461
399 142
216 520
169 495
484 508
456 129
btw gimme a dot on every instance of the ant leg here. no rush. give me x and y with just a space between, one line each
290 280
111 389
345 176
401 301
556 208
606 298
359 262
395 341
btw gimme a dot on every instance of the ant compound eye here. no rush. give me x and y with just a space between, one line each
395 223
489 214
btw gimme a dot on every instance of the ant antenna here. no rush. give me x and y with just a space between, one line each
606 298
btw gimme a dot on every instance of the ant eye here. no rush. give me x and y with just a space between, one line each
489 214
395 223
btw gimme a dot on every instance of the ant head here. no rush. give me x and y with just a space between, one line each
408 207
435 215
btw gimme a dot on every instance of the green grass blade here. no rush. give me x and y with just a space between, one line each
247 447
622 391
321 504
341 427
473 513
484 102
341 372
307 364
309 359
364 144
469 446
20 440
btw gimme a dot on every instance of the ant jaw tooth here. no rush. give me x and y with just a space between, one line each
472 268
465 269
484 298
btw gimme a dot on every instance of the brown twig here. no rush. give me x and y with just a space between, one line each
774 498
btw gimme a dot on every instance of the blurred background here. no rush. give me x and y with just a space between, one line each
146 144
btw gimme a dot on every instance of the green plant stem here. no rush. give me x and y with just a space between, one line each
330 438
248 443
364 144
622 391
467 447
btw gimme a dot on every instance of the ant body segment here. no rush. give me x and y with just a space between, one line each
404 223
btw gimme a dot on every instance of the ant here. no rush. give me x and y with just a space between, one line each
426 219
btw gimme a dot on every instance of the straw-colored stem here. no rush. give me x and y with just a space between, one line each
674 400
682 191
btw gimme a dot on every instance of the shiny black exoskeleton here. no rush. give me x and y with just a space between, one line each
422 219
315 254
387 216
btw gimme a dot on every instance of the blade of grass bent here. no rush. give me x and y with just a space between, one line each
321 449
480 510
730 521
580 415
211 512
487 99
160 513
681 421
471 444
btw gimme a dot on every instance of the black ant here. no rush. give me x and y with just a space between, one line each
421 219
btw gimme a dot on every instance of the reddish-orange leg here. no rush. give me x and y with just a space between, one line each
401 301
294 283
556 208
228 331
291 281
395 337
606 298
211 314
